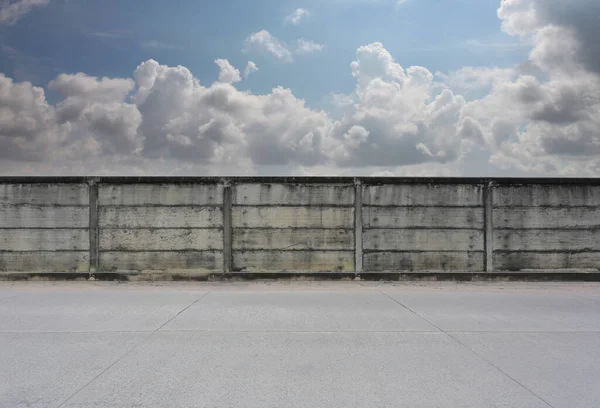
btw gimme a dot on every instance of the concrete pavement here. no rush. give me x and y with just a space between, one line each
309 344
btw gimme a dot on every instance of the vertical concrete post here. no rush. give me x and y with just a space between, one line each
94 232
227 227
488 211
358 227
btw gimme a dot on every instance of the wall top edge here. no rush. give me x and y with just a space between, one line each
298 180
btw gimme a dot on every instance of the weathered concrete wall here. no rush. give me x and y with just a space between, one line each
539 226
293 227
44 227
423 227
200 226
160 227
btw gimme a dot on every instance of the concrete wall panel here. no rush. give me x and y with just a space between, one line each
516 261
547 240
293 194
140 261
160 194
293 217
545 217
44 261
569 195
423 261
423 240
289 239
161 217
44 194
422 217
288 261
432 195
160 239
44 239
34 216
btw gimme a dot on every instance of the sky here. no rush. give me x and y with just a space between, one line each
300 87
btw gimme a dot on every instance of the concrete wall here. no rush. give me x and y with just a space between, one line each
201 226
44 227
157 227
546 227
423 227
293 227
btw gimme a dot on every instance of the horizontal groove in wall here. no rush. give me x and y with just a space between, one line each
423 228
348 250
43 228
163 228
591 227
158 205
546 251
295 205
422 206
412 251
44 251
42 205
292 228
563 206
134 251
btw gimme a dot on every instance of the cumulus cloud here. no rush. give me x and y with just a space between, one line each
98 113
297 16
228 74
263 41
165 114
13 11
541 117
250 68
547 120
308 47
28 126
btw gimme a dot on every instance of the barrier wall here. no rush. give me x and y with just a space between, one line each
293 227
44 227
155 227
204 226
423 227
546 227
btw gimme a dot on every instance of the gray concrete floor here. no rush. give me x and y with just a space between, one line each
309 344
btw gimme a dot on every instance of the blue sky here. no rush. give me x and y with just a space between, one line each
342 87
111 37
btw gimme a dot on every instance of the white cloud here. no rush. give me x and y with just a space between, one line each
548 122
407 118
250 68
541 117
228 74
13 11
263 41
308 47
297 16
477 78
98 114
167 115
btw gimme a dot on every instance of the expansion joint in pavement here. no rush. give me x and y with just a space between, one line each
471 350
131 350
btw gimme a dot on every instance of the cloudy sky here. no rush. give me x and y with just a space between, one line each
300 87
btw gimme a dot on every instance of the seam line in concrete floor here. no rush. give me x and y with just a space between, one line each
471 350
303 331
131 350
